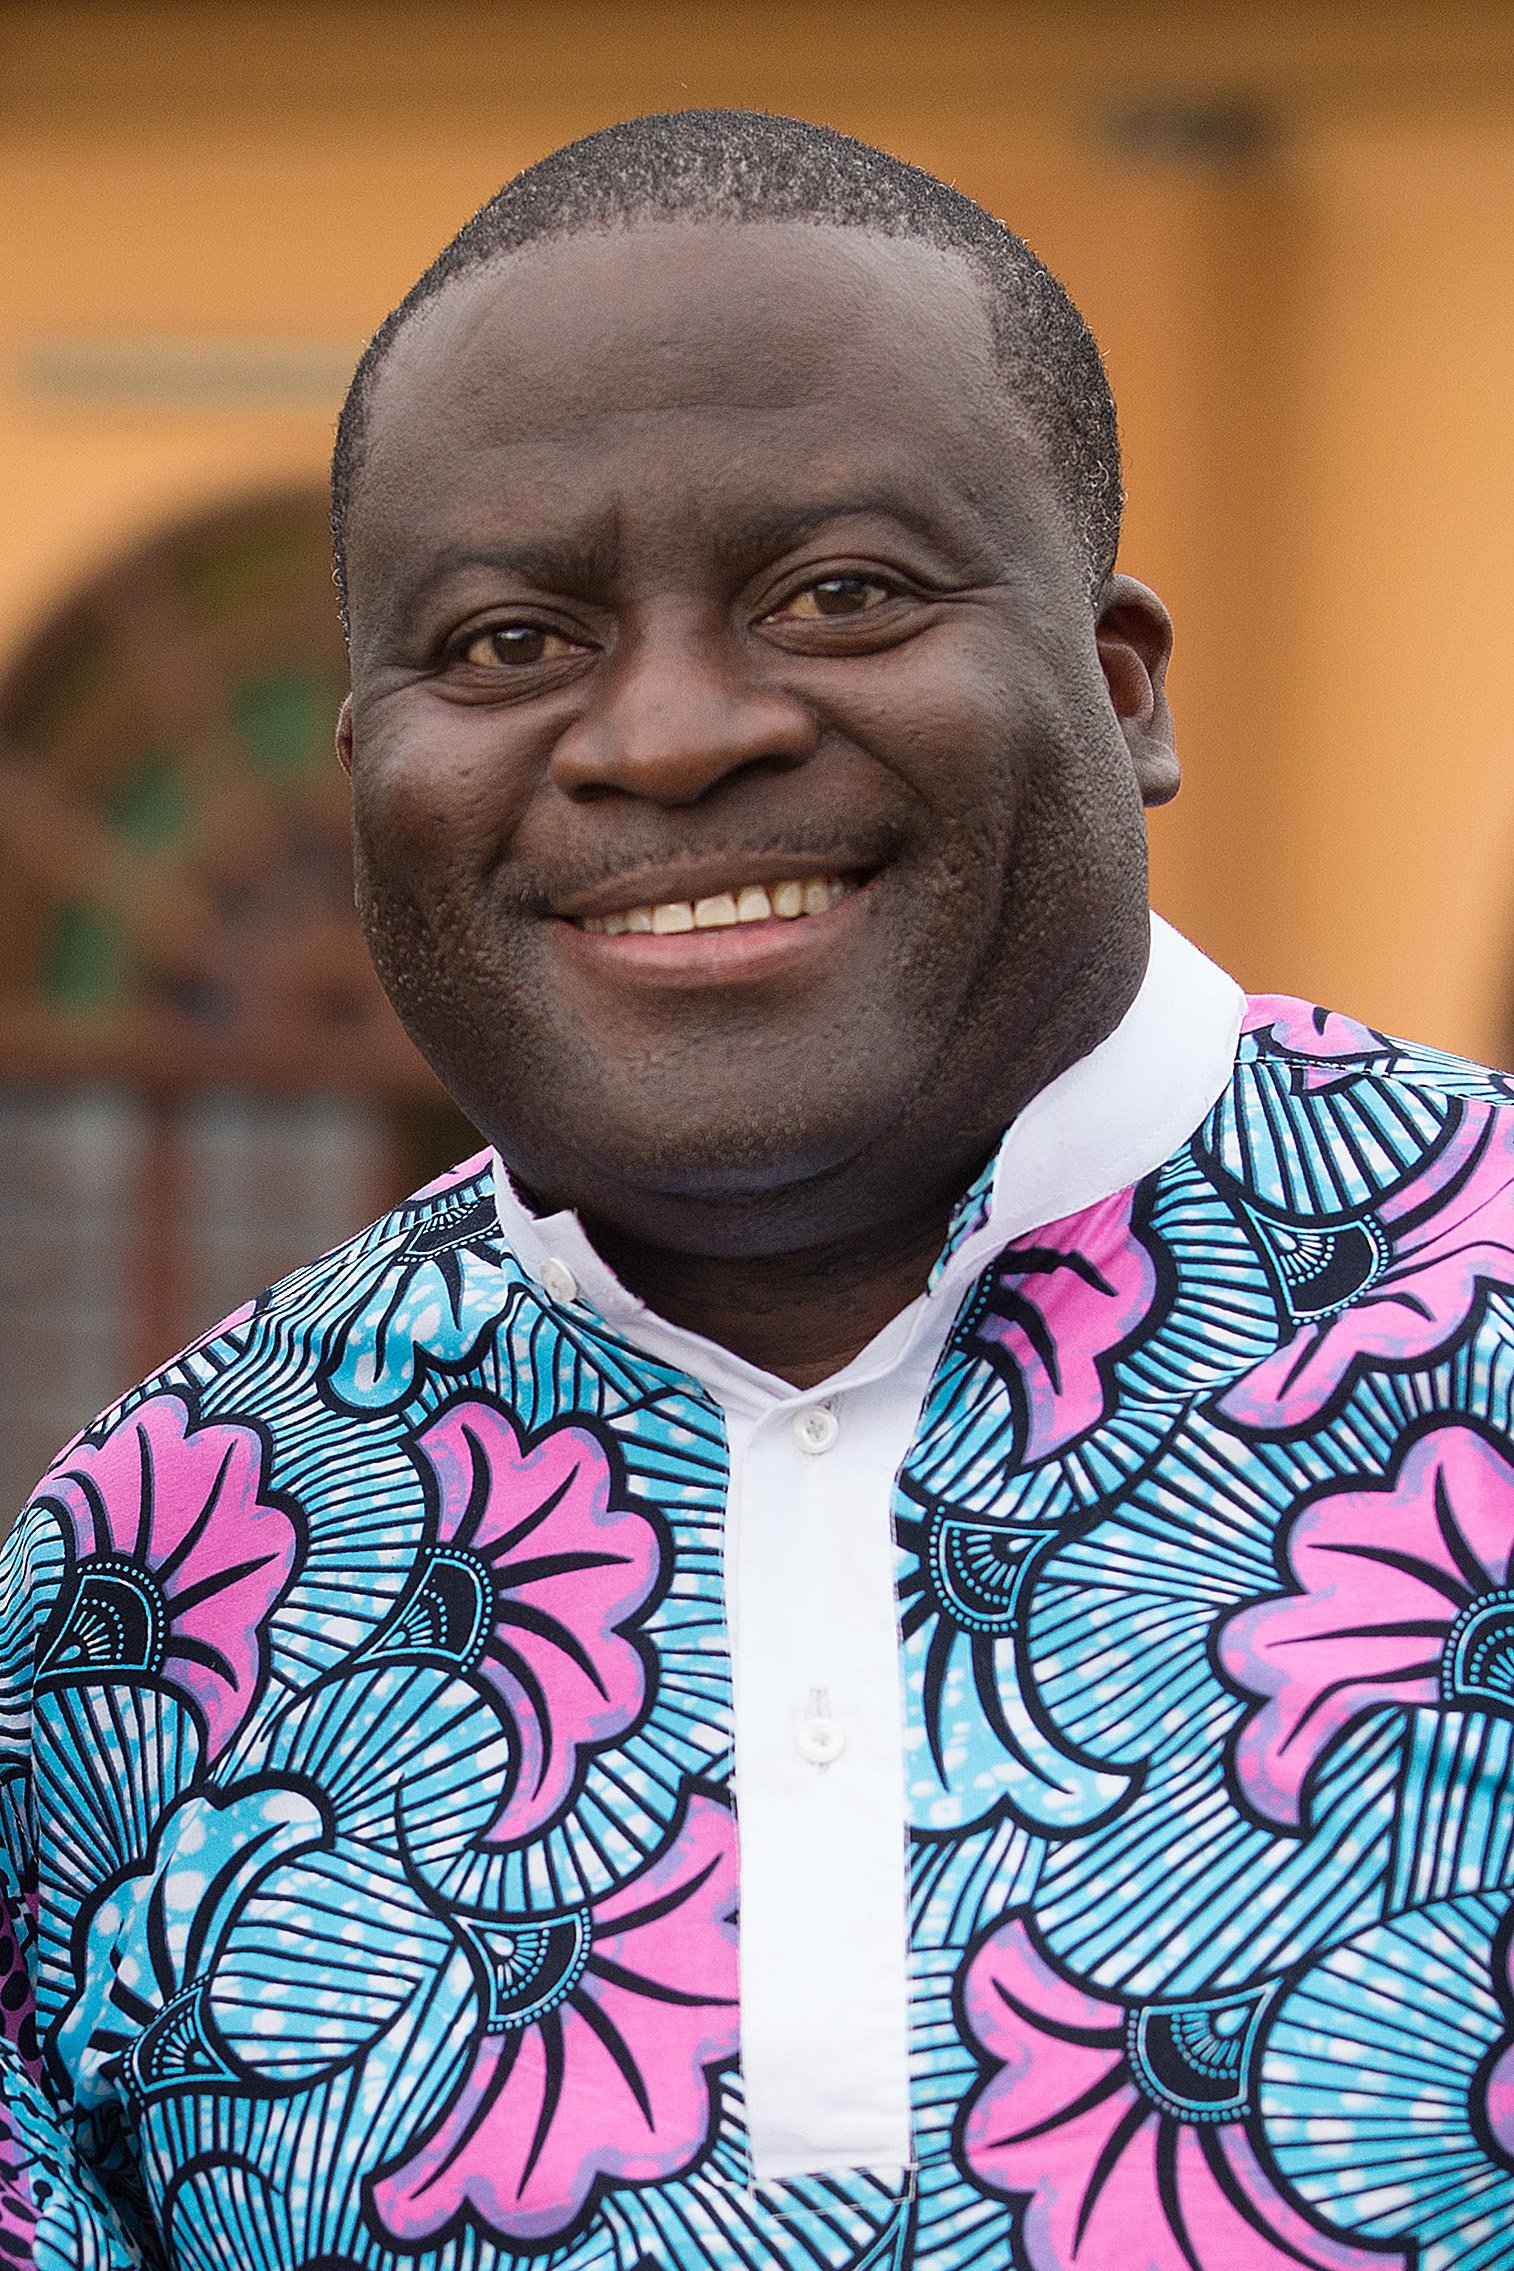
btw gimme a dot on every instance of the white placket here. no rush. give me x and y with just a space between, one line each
820 1795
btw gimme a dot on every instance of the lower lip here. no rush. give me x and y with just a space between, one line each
715 957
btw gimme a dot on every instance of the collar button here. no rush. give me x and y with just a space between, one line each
558 1281
816 1430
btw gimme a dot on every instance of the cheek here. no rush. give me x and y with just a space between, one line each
435 802
942 715
967 725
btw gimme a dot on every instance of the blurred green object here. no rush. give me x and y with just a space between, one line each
86 961
151 806
284 721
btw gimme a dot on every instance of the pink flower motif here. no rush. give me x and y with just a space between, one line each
1450 1231
477 1163
1498 2102
1305 1031
1402 1598
179 1556
1079 2125
1063 1299
601 2033
553 1570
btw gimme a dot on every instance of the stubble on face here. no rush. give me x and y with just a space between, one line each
665 454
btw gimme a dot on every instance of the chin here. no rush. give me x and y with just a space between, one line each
737 1172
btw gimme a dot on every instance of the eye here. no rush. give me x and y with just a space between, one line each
833 598
516 645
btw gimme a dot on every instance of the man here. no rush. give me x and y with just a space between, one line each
935 1422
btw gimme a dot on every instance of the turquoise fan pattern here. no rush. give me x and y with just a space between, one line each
370 1849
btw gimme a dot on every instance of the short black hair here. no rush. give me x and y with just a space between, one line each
740 165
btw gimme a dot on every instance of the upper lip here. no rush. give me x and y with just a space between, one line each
703 879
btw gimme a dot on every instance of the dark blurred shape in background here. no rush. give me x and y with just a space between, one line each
1293 230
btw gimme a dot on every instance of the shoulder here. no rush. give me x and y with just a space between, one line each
1278 1029
1325 1117
283 1341
1374 1178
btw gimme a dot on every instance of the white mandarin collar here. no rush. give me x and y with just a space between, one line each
1100 1126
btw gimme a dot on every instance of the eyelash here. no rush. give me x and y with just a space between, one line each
874 581
458 651
889 587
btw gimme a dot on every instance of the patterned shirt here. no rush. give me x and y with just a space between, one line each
370 1777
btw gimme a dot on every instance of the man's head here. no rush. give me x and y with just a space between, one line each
730 510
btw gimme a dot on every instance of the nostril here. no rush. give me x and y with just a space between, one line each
672 778
670 727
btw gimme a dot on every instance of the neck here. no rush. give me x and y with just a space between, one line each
802 1316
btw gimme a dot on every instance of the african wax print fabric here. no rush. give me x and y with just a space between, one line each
366 1789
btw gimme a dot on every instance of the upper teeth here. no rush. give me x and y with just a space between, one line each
753 903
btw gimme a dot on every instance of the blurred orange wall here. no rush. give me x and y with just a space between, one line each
1292 229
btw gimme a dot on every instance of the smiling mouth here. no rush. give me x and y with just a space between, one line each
725 910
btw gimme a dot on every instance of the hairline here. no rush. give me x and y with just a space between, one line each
1042 389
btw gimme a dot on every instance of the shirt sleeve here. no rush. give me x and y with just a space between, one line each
56 2210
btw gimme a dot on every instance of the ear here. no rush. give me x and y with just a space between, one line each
344 736
1134 637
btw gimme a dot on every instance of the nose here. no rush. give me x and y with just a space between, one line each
673 714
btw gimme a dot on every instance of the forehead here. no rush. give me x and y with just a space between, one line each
671 310
684 366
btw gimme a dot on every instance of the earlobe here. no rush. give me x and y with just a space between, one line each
1158 773
1134 638
344 736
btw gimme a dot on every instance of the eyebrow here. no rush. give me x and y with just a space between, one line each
581 564
774 532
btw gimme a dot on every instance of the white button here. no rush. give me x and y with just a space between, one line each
821 1741
816 1430
558 1280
